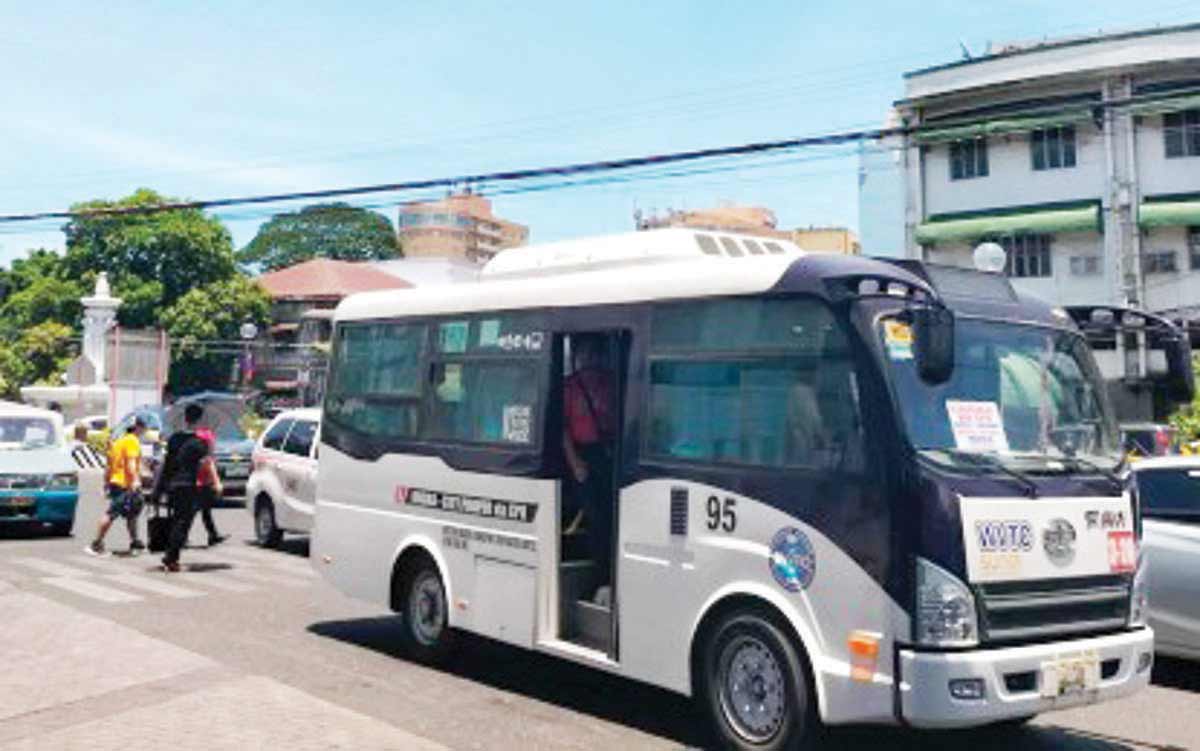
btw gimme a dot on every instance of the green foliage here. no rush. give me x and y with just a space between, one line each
39 355
332 230
155 258
1187 418
38 289
215 311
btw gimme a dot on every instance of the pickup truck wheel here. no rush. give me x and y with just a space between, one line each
265 531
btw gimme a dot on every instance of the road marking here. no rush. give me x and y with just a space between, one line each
217 581
91 589
152 584
255 555
52 568
268 578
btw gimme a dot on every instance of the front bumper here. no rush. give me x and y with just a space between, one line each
1009 693
48 506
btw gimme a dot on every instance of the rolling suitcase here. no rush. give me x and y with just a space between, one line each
158 529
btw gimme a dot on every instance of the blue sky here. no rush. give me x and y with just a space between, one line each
226 98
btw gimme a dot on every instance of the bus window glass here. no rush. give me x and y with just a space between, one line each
485 401
376 384
786 396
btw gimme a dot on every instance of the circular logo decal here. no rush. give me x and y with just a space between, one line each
793 562
1058 540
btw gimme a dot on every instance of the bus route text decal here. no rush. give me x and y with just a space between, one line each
468 505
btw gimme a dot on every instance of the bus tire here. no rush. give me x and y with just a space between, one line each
266 532
755 688
424 613
61 529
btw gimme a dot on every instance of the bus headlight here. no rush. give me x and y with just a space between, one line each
63 481
1138 596
945 609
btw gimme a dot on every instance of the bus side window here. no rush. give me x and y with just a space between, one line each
782 394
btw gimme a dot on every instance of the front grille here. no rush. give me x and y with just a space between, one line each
1031 611
22 482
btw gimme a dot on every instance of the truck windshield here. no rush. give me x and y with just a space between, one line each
1027 396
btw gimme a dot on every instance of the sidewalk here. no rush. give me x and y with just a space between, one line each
78 681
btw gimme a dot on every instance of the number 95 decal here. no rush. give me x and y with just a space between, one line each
721 513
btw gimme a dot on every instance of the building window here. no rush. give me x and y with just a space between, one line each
968 159
1053 148
1194 247
1159 262
1085 265
1028 255
1182 133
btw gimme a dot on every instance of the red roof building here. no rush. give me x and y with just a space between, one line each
323 280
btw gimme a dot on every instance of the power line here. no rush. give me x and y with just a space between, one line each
565 170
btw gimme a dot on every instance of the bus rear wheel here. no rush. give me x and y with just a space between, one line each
425 613
755 688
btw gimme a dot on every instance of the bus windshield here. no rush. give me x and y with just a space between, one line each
1025 395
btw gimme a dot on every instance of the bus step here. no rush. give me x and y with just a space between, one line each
593 623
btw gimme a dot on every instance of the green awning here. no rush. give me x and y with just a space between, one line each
1014 124
1163 105
1047 221
1169 214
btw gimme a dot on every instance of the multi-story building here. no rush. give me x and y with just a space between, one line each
753 220
746 220
460 225
1080 156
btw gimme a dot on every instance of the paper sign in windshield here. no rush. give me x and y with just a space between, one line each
977 426
898 337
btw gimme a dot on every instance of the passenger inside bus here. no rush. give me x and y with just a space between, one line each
589 427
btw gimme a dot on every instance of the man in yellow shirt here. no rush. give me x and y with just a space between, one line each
123 484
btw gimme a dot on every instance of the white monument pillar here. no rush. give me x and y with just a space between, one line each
99 315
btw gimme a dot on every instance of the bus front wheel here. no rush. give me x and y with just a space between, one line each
425 613
755 688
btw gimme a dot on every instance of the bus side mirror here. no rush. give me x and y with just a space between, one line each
933 343
1181 379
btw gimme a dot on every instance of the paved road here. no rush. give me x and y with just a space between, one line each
248 649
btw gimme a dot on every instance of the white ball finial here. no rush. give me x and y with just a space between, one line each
990 257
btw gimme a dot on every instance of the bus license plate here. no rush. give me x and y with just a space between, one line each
1070 677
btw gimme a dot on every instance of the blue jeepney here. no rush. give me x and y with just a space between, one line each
39 481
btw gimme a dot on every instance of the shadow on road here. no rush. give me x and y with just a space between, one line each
1175 673
668 715
543 678
27 531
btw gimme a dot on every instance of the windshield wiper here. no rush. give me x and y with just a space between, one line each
991 462
1098 469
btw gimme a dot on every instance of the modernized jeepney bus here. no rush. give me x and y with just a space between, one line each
842 490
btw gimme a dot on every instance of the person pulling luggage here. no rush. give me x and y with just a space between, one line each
187 456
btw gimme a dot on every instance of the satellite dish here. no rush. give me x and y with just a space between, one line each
990 257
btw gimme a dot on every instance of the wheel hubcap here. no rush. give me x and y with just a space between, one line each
264 523
427 607
753 696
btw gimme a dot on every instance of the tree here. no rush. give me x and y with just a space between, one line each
37 289
153 258
331 230
1187 417
212 312
40 355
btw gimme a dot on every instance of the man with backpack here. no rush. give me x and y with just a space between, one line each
187 460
